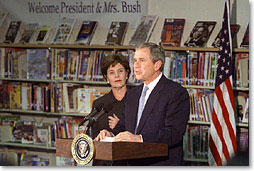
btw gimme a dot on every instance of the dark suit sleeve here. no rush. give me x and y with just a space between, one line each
120 126
174 116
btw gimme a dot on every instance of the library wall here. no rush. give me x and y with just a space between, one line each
192 11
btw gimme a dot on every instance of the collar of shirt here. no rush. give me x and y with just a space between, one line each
151 86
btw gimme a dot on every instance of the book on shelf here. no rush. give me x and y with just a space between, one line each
43 34
193 68
234 28
17 131
28 32
64 31
86 32
83 65
27 132
5 95
15 95
172 31
12 63
21 54
37 61
244 72
6 133
6 126
201 104
241 71
82 100
116 33
68 93
65 161
200 34
245 40
144 30
84 97
246 112
242 138
196 144
12 32
41 134
241 99
34 160
26 94
9 157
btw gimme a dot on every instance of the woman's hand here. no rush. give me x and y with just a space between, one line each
113 120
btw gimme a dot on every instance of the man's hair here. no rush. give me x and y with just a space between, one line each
114 59
157 53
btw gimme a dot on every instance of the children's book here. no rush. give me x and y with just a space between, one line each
200 34
43 34
116 33
37 63
245 41
144 30
12 31
64 31
28 32
86 32
172 31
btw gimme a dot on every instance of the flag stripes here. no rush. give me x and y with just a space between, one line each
222 140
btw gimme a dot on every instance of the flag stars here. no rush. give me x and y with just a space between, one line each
222 68
227 71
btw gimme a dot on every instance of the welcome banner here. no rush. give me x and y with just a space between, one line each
51 11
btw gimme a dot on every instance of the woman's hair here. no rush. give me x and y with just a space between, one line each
157 53
114 59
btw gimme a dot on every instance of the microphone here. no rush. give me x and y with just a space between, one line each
104 110
95 110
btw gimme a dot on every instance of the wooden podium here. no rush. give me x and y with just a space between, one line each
112 151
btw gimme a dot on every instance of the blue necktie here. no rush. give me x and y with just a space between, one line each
141 105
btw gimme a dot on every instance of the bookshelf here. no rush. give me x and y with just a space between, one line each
55 115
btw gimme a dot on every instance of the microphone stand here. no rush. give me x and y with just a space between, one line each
89 131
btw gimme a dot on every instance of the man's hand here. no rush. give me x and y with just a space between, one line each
113 120
103 134
127 136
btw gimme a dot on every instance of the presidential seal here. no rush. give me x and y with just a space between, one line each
82 149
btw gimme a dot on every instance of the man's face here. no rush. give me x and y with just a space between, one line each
144 69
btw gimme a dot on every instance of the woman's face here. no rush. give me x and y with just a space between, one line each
116 75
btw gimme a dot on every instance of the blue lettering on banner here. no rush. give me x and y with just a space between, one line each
83 7
131 8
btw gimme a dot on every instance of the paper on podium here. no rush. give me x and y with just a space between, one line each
108 139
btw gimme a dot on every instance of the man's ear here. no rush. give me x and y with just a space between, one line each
157 65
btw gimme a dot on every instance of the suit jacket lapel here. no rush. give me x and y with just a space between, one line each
153 98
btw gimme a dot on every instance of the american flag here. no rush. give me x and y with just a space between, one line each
222 140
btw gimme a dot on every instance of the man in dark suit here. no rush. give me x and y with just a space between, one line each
165 114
